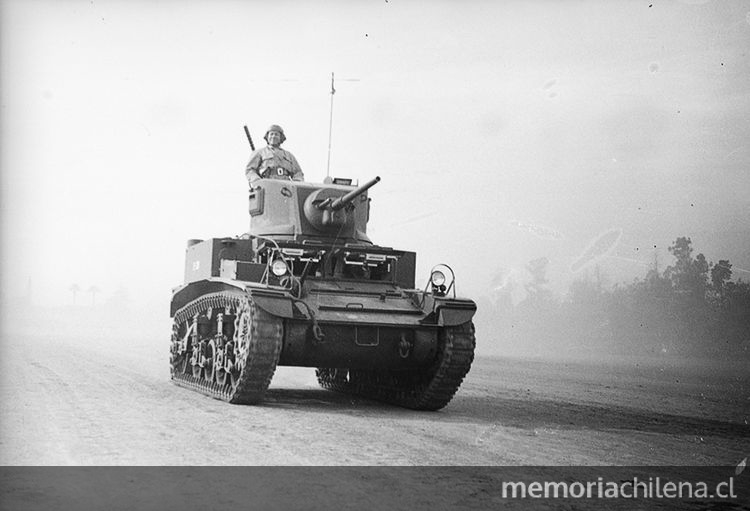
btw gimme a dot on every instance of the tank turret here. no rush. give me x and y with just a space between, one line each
298 210
328 211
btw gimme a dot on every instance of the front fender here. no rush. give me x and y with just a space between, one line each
443 311
273 301
185 294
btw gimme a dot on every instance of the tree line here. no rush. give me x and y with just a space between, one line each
691 308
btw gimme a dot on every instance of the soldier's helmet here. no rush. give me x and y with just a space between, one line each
275 127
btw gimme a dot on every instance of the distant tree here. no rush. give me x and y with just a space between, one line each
738 295
74 288
584 292
93 290
699 276
721 272
657 285
536 288
688 275
536 317
736 313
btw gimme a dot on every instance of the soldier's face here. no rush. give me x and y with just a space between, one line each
274 138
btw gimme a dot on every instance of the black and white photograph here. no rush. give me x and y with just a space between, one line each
383 254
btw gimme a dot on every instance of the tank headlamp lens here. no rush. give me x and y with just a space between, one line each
279 267
437 278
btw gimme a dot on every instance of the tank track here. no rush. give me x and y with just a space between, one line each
428 389
333 379
235 360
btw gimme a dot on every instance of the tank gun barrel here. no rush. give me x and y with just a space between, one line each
346 199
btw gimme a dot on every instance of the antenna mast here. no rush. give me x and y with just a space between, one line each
330 129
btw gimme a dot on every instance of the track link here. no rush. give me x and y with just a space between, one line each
333 379
250 347
428 389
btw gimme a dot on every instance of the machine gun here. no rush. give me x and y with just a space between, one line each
249 138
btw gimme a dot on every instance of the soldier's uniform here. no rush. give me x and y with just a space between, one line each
273 162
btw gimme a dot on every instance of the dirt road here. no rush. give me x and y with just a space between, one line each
66 401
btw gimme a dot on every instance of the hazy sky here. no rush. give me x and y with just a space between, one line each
503 131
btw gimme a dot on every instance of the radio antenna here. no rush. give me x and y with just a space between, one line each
330 120
330 129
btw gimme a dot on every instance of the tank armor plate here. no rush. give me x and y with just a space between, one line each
428 389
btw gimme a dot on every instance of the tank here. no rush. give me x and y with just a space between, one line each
306 287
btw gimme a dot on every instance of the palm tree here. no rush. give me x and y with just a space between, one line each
74 288
93 290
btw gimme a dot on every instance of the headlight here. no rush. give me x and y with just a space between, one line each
437 278
279 267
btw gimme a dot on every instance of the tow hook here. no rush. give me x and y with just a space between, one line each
318 334
404 347
317 331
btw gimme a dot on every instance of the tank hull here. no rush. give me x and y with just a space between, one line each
375 326
363 340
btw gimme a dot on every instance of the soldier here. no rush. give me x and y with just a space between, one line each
273 162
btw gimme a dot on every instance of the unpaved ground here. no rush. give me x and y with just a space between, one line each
68 401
